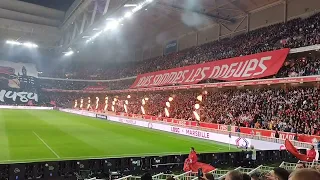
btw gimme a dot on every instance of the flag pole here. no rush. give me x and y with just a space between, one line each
229 139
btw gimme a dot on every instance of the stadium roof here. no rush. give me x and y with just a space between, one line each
62 5
164 20
62 24
171 18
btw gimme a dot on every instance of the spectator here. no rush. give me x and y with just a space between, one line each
246 177
208 176
311 153
277 134
305 174
146 176
255 176
278 174
234 175
300 165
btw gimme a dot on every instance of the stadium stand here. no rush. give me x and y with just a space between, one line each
288 109
293 34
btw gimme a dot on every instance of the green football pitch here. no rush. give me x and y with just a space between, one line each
41 135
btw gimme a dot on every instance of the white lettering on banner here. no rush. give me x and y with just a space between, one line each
245 69
223 127
262 66
283 135
240 69
234 69
22 96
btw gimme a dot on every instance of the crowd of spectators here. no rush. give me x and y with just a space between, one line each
293 34
291 109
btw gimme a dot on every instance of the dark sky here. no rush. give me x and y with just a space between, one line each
62 5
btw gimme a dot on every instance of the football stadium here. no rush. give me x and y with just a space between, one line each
160 89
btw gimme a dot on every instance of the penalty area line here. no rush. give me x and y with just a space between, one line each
46 144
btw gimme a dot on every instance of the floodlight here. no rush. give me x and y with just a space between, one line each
149 1
30 45
26 44
69 53
130 5
112 25
13 42
128 14
137 8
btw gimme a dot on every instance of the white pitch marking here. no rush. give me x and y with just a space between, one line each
46 145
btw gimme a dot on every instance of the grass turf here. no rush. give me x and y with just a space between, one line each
38 135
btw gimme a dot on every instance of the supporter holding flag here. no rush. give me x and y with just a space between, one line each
311 154
192 164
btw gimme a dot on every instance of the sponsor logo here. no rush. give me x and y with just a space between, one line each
175 130
16 170
197 133
174 44
242 142
283 147
101 116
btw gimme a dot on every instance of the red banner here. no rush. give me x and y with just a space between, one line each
207 85
233 69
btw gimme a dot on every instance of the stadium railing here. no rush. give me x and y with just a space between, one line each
310 164
288 166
